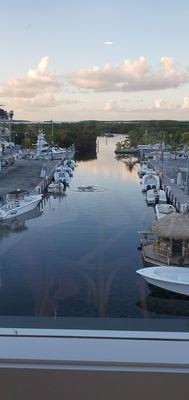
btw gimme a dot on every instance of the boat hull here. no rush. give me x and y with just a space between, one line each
15 212
169 210
176 286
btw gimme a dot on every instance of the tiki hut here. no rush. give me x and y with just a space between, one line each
172 244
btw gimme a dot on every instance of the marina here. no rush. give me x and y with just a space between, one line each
79 257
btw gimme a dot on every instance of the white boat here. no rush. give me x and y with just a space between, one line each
70 163
142 170
174 279
19 206
62 177
68 170
56 187
55 153
150 181
156 196
162 210
145 170
42 145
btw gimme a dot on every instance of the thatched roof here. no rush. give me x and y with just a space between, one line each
173 226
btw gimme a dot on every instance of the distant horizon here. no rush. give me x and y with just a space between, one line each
89 120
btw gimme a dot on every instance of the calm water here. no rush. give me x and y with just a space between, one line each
79 257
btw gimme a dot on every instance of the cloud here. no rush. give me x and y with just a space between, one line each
161 104
37 82
108 43
111 106
130 76
185 104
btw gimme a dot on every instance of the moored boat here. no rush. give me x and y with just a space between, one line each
19 206
174 279
56 187
156 196
60 175
150 181
145 170
162 210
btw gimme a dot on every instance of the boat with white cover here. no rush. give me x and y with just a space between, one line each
19 206
142 170
60 175
156 196
70 163
150 181
145 170
56 187
174 279
162 210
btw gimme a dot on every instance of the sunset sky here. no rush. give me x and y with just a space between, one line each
108 60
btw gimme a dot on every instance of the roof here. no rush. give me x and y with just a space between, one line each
173 226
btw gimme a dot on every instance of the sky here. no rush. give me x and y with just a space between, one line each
71 60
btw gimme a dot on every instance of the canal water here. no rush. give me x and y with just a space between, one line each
77 256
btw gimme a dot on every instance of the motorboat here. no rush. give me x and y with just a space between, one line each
162 210
150 181
70 163
156 196
68 170
19 206
145 170
56 187
174 279
60 175
55 153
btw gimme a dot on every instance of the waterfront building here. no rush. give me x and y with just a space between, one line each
171 246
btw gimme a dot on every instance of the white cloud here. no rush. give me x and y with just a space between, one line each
111 106
161 104
37 82
185 104
130 76
108 43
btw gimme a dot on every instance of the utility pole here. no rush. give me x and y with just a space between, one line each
186 186
52 131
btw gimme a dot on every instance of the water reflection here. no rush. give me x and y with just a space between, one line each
165 304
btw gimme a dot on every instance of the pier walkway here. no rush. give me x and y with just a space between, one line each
25 175
174 194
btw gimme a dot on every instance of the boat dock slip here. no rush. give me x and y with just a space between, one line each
174 194
26 175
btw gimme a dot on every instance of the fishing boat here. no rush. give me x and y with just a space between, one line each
70 163
162 210
56 187
60 175
55 153
19 206
174 279
145 170
150 181
155 196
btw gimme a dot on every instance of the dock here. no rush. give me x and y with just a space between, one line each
26 175
175 195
